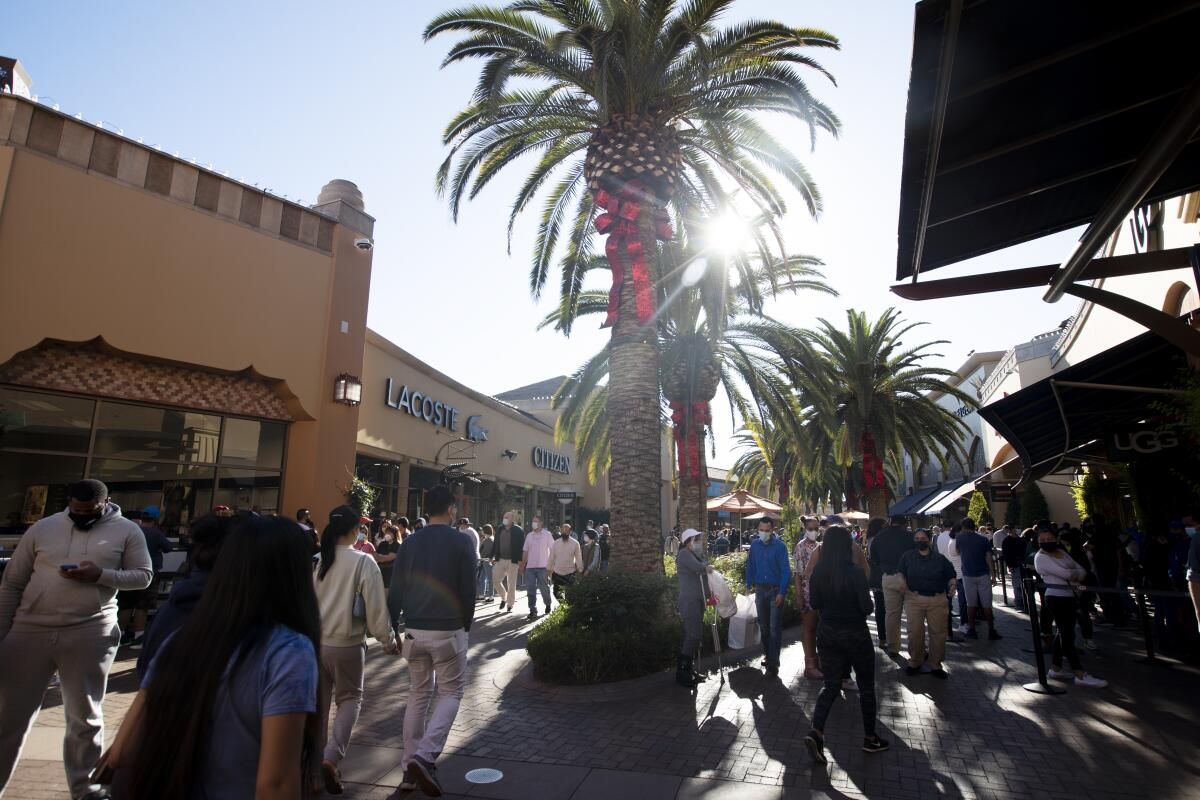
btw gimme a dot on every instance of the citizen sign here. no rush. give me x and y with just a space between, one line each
1125 445
555 462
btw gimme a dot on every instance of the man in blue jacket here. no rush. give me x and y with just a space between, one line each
769 574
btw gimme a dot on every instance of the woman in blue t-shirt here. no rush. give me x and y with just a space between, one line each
227 708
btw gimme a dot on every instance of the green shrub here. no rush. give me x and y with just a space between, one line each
612 626
978 509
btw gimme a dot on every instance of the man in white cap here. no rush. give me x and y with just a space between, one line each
692 569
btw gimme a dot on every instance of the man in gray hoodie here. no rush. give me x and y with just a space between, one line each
58 610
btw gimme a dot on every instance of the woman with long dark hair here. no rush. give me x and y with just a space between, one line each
343 576
838 590
226 710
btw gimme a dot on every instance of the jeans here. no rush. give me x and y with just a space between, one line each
83 657
483 580
893 597
841 646
880 614
1018 587
924 611
535 581
604 565
440 655
962 601
341 674
770 623
560 582
1060 612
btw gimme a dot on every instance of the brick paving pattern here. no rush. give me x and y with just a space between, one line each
977 735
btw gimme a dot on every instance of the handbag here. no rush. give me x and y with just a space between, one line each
360 603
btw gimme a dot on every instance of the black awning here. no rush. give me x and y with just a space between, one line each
905 505
1073 408
1047 105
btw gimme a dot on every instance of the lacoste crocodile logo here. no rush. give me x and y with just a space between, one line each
475 430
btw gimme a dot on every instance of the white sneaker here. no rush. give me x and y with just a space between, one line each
1090 644
1090 681
1060 674
964 629
848 685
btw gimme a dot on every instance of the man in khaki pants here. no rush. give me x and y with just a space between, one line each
506 555
886 550
927 578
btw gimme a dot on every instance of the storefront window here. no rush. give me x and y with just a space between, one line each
33 485
147 456
161 434
250 443
35 421
244 488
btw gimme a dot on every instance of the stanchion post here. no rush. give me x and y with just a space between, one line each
998 561
1147 631
1042 686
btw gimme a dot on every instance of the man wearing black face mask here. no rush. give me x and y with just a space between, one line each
58 610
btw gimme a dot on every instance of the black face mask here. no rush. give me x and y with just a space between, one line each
1049 547
85 521
922 546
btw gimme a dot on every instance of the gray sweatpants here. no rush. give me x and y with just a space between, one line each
693 627
341 673
83 657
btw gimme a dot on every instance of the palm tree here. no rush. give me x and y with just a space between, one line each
865 396
714 336
637 108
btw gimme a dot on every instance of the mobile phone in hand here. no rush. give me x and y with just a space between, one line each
68 567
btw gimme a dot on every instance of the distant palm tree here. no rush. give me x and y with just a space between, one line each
865 398
638 108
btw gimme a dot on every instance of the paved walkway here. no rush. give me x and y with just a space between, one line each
977 735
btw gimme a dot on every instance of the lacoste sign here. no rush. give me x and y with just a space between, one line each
422 406
549 460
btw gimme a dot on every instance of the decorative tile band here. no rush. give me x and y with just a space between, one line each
89 369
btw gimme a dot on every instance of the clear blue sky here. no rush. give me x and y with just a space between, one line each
292 94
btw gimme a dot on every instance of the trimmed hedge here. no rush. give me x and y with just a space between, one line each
612 626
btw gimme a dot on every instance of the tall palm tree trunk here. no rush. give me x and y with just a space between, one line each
693 496
635 477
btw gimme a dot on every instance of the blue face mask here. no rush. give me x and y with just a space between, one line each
1190 531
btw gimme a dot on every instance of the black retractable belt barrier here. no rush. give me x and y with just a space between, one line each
1042 686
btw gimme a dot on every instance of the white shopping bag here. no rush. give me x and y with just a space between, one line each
726 600
743 626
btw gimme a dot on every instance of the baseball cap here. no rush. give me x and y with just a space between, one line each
342 512
151 513
688 534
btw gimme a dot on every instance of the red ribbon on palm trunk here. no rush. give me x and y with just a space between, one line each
689 435
619 221
873 477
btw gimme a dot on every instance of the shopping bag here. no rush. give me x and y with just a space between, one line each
726 603
743 625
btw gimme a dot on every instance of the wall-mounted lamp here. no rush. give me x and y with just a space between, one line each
347 389
511 455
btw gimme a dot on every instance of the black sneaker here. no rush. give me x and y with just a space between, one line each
972 634
816 747
875 745
993 635
910 671
501 605
531 616
940 673
425 774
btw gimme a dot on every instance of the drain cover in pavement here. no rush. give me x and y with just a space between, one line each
484 775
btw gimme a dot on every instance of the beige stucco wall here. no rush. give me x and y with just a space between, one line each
83 256
386 430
